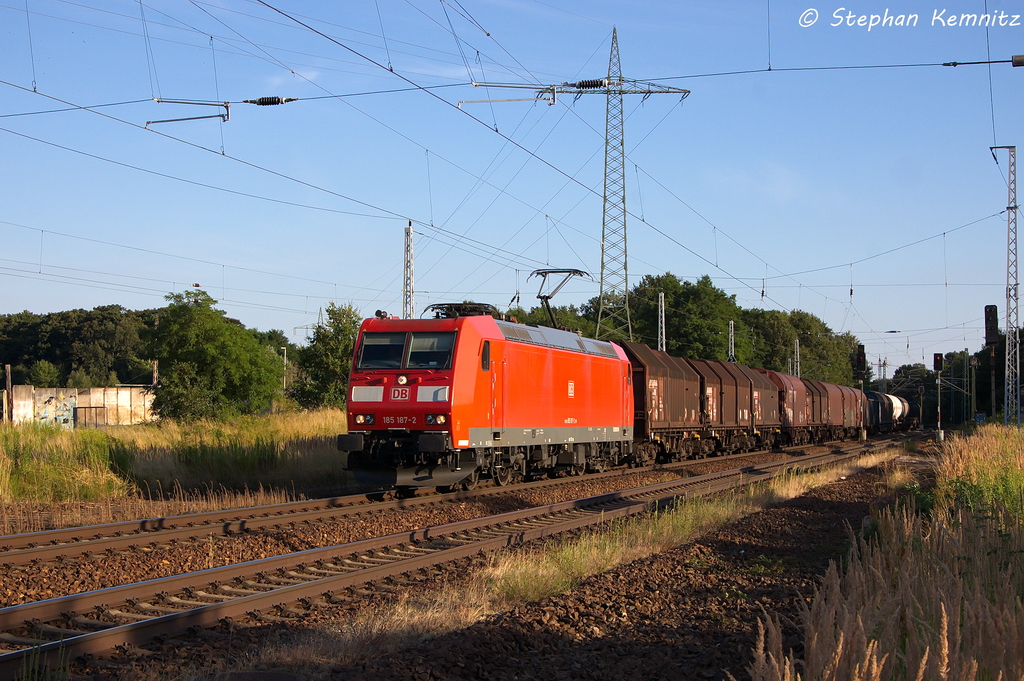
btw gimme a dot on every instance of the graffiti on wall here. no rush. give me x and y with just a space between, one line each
57 409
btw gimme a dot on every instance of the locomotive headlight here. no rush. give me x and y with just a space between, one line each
436 419
364 419
402 380
440 419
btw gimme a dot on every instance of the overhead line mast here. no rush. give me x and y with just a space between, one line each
613 320
1011 394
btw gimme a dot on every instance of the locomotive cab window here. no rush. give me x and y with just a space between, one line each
382 351
485 357
431 350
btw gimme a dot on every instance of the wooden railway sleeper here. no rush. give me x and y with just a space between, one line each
257 585
341 568
217 598
21 640
359 565
411 552
89 623
301 577
232 591
174 600
59 632
147 607
133 616
326 573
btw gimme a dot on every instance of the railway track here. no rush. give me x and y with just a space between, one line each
59 544
95 622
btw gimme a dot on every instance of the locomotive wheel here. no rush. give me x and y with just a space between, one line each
470 482
502 476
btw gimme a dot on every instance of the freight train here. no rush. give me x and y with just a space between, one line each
470 394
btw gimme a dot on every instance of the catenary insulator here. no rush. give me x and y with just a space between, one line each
592 84
270 101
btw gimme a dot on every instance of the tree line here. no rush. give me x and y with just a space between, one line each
207 364
697 316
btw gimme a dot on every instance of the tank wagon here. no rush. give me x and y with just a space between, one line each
470 394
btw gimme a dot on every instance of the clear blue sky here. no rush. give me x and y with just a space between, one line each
764 177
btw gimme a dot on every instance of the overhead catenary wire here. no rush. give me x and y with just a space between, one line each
519 146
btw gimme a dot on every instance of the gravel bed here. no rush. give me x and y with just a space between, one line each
686 613
21 584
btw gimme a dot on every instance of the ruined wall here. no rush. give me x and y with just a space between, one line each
97 407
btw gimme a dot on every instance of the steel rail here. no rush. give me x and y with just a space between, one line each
59 544
335 567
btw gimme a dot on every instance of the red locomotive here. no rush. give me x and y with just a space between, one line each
444 401
437 402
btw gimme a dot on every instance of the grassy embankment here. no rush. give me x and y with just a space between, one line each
525 575
54 477
933 592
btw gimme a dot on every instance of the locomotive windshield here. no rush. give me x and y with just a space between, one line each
406 351
382 351
431 350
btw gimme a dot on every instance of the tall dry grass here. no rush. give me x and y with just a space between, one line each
984 469
934 596
920 600
53 477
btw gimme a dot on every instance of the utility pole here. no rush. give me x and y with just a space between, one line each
1011 389
408 287
796 357
613 321
9 397
284 376
732 342
661 321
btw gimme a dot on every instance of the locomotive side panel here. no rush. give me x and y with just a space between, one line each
552 396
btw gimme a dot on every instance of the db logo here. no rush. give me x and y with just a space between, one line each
400 394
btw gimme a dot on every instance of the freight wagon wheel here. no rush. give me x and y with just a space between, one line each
577 470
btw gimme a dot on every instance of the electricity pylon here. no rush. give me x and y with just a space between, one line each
409 279
613 320
1011 394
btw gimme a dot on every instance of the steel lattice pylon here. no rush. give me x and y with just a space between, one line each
408 288
613 310
1011 389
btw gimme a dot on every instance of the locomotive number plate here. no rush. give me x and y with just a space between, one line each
400 394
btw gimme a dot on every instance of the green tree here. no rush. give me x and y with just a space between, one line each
325 362
773 338
79 379
44 374
697 316
210 365
824 354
